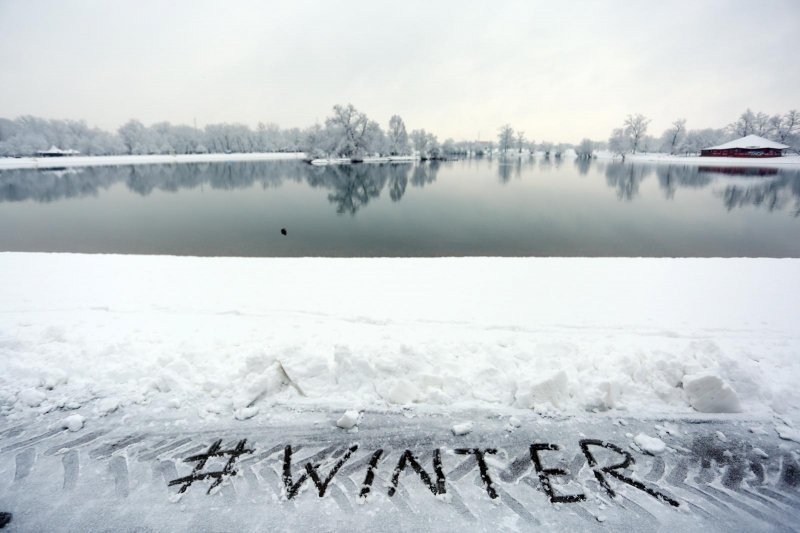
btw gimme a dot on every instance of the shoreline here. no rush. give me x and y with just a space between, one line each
789 161
13 163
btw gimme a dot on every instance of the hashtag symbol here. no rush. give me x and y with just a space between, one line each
218 475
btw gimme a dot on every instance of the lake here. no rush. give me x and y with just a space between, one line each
474 207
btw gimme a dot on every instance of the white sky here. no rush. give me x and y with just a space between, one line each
559 71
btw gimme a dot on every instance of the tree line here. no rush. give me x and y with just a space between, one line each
633 136
350 133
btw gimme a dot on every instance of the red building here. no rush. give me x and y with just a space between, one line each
750 146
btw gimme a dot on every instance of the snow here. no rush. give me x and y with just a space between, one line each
651 445
708 393
550 392
348 420
31 397
462 428
749 141
787 161
226 338
73 422
111 160
788 433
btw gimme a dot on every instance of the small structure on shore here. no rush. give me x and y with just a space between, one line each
749 146
55 151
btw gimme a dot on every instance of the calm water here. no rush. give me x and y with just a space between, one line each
472 207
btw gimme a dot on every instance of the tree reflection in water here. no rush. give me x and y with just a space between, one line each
352 187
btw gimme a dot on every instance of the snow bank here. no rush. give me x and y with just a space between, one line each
111 160
227 337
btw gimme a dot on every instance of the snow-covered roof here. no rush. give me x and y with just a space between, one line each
56 150
52 150
751 141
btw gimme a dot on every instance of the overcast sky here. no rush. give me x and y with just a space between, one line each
559 71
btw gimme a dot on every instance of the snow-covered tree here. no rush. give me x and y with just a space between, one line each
133 136
505 138
636 129
351 130
744 125
520 141
426 144
619 143
397 136
585 149
672 138
783 128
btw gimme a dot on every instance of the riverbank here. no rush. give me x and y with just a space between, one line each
789 161
111 160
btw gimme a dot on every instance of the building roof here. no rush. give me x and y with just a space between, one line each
750 142
56 150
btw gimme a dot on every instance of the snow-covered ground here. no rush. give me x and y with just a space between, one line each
787 161
398 394
110 160
226 338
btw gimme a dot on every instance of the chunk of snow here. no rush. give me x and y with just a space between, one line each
244 413
348 420
53 378
73 422
106 406
514 422
462 428
721 436
401 392
708 393
31 397
787 433
552 390
761 453
651 445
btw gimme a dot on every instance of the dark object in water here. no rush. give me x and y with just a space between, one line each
5 519
283 231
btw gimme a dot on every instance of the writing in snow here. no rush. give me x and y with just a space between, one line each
435 482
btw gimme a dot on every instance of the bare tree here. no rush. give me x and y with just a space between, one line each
636 129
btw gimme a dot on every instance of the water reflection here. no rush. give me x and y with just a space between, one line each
352 187
673 177
776 194
626 178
